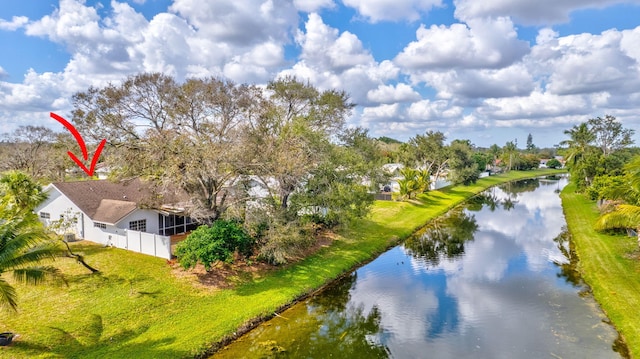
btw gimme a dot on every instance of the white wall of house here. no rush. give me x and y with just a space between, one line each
150 216
58 205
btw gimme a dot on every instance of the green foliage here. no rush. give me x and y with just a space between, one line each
388 140
602 186
210 244
528 162
554 163
24 244
531 148
510 155
284 242
482 159
464 169
596 147
413 182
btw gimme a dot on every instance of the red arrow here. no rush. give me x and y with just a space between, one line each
83 146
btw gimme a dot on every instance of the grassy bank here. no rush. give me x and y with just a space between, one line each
139 308
610 264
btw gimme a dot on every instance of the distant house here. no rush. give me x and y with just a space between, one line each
116 214
543 162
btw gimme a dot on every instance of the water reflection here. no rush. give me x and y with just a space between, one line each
444 237
488 281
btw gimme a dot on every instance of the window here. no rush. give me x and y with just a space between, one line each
171 224
45 215
139 225
99 225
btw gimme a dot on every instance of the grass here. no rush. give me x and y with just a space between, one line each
609 264
137 308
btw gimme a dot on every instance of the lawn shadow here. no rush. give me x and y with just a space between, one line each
91 342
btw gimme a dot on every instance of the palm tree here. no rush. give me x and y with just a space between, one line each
581 138
24 243
510 150
627 213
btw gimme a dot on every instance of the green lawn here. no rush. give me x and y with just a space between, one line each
610 264
138 309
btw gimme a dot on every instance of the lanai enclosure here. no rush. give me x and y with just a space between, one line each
120 214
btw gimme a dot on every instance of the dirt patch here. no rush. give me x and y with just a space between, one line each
229 275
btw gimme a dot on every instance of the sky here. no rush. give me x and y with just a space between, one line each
489 71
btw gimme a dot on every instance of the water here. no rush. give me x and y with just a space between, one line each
493 279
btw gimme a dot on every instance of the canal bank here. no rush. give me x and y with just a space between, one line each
610 264
388 224
492 278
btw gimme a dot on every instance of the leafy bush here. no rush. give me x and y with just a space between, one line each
602 187
554 163
210 244
285 242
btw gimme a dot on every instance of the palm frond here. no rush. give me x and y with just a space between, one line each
34 255
37 275
8 296
623 216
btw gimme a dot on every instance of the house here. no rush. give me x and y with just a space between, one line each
117 214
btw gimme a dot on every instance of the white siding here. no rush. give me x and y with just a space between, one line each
57 205
117 235
150 215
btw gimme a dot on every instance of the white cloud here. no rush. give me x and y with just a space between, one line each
392 10
330 59
239 23
38 92
390 94
3 73
15 23
382 112
528 12
477 84
323 47
439 110
72 24
480 44
313 5
589 63
537 105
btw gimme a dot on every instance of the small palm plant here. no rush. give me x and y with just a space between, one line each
626 212
413 182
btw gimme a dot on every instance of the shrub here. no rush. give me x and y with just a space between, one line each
210 244
286 242
554 163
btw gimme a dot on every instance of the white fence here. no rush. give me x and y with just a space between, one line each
142 242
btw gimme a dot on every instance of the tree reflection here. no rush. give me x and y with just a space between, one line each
568 270
521 186
324 326
443 238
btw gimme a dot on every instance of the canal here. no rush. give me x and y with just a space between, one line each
494 278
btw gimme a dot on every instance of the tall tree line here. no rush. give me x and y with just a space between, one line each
216 140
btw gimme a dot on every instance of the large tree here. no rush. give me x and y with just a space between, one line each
428 152
293 134
463 168
33 150
609 135
182 137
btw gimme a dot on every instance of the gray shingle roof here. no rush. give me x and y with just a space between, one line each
106 201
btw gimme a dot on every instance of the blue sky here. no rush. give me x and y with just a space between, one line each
489 71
